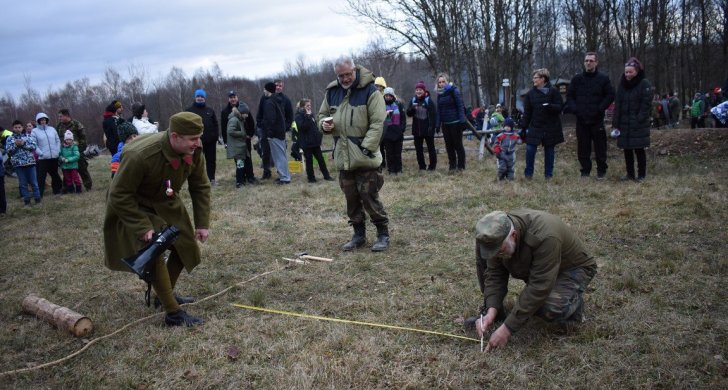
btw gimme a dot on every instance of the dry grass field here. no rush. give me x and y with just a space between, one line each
656 313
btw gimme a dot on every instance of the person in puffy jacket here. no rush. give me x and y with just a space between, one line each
631 121
451 116
309 137
542 120
49 146
209 135
424 118
394 126
237 149
68 158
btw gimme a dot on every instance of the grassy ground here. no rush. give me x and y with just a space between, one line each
657 312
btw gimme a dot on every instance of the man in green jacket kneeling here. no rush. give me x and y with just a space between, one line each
540 249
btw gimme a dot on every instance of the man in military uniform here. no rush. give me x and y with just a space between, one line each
540 249
357 111
65 122
145 196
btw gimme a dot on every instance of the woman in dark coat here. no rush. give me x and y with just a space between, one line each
631 120
422 111
542 121
309 138
451 116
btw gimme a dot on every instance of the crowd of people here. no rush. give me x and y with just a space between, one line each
367 120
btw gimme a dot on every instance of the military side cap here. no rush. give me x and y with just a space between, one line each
186 123
491 231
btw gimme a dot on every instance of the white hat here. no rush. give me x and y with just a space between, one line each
68 135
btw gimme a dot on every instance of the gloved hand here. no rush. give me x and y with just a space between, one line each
367 152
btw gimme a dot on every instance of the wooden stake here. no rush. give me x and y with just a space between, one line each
62 317
316 258
297 261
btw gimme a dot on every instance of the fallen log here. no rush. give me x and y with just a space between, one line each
62 317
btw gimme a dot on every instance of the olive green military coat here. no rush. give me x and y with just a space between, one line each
137 200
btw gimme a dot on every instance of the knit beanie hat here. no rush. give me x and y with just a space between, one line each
421 85
185 123
68 135
201 92
113 106
509 123
389 91
270 87
243 108
125 130
635 63
380 81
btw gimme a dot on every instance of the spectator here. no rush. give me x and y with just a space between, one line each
310 140
424 117
697 112
589 95
451 117
288 111
65 122
354 113
237 140
542 122
631 118
49 146
505 150
141 121
112 118
249 126
394 126
274 127
21 147
381 84
209 135
127 133
69 157
674 104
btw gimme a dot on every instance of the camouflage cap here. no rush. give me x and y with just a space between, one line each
186 123
491 231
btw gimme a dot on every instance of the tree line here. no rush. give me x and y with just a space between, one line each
682 43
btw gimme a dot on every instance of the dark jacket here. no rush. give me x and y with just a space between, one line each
424 116
211 130
546 246
542 116
309 135
112 136
274 119
588 96
632 110
450 108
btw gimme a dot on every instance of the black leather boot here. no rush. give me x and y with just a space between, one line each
358 239
382 242
180 317
180 300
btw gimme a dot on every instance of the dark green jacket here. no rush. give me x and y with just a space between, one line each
137 201
546 247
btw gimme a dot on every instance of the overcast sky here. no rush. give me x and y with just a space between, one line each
56 42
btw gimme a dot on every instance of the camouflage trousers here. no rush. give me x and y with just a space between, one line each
361 189
566 300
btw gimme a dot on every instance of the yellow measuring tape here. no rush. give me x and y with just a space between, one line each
292 314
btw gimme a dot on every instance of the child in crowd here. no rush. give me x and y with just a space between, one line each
21 147
3 201
393 137
68 158
127 133
505 150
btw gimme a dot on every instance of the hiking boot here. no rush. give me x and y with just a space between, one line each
329 178
382 242
180 317
312 180
358 239
180 300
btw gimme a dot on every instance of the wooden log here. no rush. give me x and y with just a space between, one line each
316 258
297 261
62 317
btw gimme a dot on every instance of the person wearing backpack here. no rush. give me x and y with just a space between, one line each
697 112
424 116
